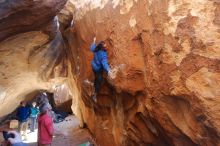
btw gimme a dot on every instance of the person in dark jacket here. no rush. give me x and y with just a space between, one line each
23 114
99 64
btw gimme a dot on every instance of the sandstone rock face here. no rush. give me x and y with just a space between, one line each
167 89
167 55
18 16
32 52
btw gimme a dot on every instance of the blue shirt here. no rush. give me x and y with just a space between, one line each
23 113
100 60
34 112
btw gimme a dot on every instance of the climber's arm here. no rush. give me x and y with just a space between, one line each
93 46
104 61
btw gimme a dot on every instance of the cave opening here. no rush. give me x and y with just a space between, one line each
63 118
33 97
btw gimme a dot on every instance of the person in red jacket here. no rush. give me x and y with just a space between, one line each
45 127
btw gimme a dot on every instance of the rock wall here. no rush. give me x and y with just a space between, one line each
167 89
32 51
167 54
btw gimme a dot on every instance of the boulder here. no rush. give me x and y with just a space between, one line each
167 88
32 50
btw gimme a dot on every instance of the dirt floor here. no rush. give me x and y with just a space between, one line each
67 133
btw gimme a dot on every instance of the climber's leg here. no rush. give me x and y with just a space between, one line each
97 83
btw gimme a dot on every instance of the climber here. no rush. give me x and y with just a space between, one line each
23 114
99 63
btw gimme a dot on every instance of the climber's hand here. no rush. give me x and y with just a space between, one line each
94 39
16 139
112 74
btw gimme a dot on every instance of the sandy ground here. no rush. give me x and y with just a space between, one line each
67 133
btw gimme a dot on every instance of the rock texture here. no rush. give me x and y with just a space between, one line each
167 89
18 16
32 51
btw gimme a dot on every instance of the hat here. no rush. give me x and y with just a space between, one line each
44 108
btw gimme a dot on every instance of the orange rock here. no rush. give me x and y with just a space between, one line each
168 92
